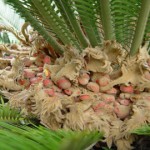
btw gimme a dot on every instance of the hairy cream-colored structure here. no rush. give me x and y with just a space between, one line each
100 88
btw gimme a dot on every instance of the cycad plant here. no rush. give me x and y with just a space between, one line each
84 66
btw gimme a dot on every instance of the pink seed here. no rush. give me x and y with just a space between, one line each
26 83
92 86
148 98
39 74
99 105
108 98
124 102
68 92
59 94
50 92
147 75
111 91
41 55
77 92
22 81
137 91
84 79
47 82
108 107
27 62
56 88
27 86
40 69
116 110
39 62
98 111
84 97
63 83
35 80
47 60
29 74
122 111
103 81
148 61
35 54
127 89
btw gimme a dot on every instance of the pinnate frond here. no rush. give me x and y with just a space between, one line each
41 138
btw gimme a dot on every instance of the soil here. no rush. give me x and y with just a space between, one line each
142 143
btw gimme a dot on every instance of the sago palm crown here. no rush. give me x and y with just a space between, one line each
84 65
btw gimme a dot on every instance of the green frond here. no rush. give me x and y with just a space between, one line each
14 32
125 14
9 17
46 11
87 13
23 11
69 17
41 138
140 26
8 114
147 30
80 140
4 38
60 12
144 130
82 23
106 19
10 38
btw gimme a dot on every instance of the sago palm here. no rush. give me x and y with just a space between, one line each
85 67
